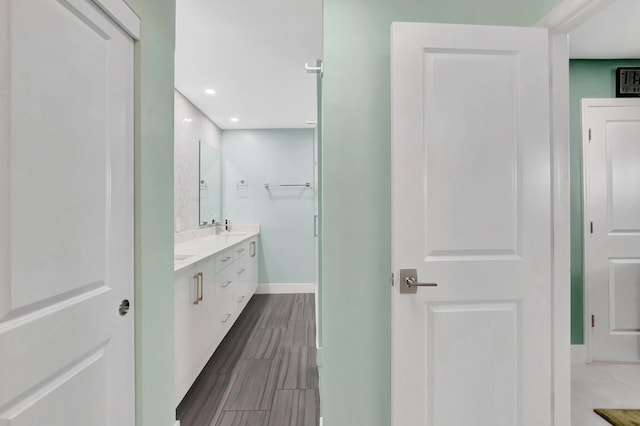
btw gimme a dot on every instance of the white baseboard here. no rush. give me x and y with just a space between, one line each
320 421
177 423
286 288
578 354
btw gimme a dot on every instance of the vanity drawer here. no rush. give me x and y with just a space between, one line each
225 288
240 250
225 293
224 259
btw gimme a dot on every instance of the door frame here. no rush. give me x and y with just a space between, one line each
585 105
563 19
123 15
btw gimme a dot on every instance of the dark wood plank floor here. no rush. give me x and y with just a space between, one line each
264 372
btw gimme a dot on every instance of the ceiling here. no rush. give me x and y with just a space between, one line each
252 53
612 34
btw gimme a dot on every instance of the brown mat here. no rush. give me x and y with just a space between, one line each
620 417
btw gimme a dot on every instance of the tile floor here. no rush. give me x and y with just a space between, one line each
273 343
264 372
602 385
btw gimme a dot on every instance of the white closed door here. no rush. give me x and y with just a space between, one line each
66 215
471 213
611 148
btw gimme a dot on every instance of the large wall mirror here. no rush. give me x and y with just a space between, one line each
210 184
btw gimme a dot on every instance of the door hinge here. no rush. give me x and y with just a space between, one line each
392 279
589 135
591 227
593 321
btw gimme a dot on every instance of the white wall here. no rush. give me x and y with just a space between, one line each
187 134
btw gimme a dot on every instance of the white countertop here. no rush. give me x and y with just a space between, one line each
186 253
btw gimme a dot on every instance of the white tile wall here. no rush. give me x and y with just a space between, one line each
187 134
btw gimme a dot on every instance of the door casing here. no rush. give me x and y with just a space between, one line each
563 19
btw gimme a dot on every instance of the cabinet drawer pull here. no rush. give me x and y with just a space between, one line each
240 250
241 299
226 318
201 277
253 249
241 271
196 281
226 284
226 259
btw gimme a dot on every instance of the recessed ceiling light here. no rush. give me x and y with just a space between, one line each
187 120
209 91
235 119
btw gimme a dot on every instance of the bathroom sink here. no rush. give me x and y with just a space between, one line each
235 234
179 257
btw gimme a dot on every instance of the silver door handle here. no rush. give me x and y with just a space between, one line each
409 281
201 276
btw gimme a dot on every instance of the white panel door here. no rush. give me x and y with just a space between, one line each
612 231
66 215
471 212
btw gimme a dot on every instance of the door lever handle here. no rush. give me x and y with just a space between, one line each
409 281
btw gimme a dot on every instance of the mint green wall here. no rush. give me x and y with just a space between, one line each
356 218
588 79
154 213
285 216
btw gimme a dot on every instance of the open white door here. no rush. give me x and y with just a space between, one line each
611 150
66 214
471 212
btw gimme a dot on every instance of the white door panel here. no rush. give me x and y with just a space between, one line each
471 212
484 355
612 244
623 176
624 290
457 214
66 226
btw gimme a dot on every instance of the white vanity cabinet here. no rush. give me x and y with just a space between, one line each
195 297
210 294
